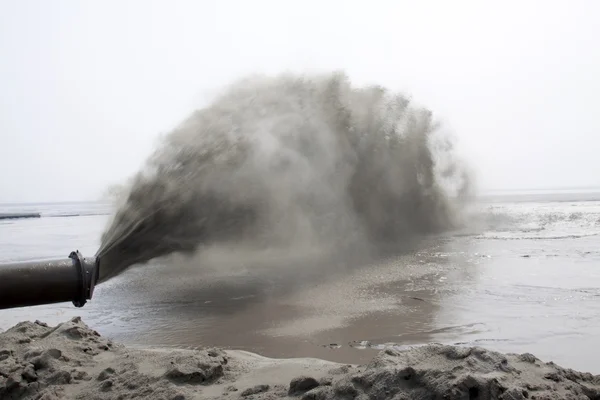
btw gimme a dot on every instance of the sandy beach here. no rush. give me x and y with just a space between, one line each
72 361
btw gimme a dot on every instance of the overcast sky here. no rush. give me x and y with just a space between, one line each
87 86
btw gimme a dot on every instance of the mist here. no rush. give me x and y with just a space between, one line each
303 163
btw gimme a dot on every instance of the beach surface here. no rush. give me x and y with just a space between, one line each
72 361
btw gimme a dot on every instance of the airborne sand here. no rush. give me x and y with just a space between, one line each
296 163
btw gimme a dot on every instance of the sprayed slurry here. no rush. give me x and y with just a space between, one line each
292 162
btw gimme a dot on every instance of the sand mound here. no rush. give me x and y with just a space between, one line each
73 361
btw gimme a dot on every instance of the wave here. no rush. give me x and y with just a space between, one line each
552 221
556 237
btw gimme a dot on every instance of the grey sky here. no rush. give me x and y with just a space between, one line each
87 86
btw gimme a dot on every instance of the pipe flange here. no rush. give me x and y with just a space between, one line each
79 262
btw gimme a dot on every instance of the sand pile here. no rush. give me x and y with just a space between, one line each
73 361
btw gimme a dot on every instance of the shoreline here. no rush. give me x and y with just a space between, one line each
19 215
72 361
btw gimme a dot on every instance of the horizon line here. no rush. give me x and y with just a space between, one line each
481 192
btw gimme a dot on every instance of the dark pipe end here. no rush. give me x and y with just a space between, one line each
87 269
34 283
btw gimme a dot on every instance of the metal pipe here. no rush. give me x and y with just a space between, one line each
45 282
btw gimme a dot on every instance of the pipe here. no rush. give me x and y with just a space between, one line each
46 282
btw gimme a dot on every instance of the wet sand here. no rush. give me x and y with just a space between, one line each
71 360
